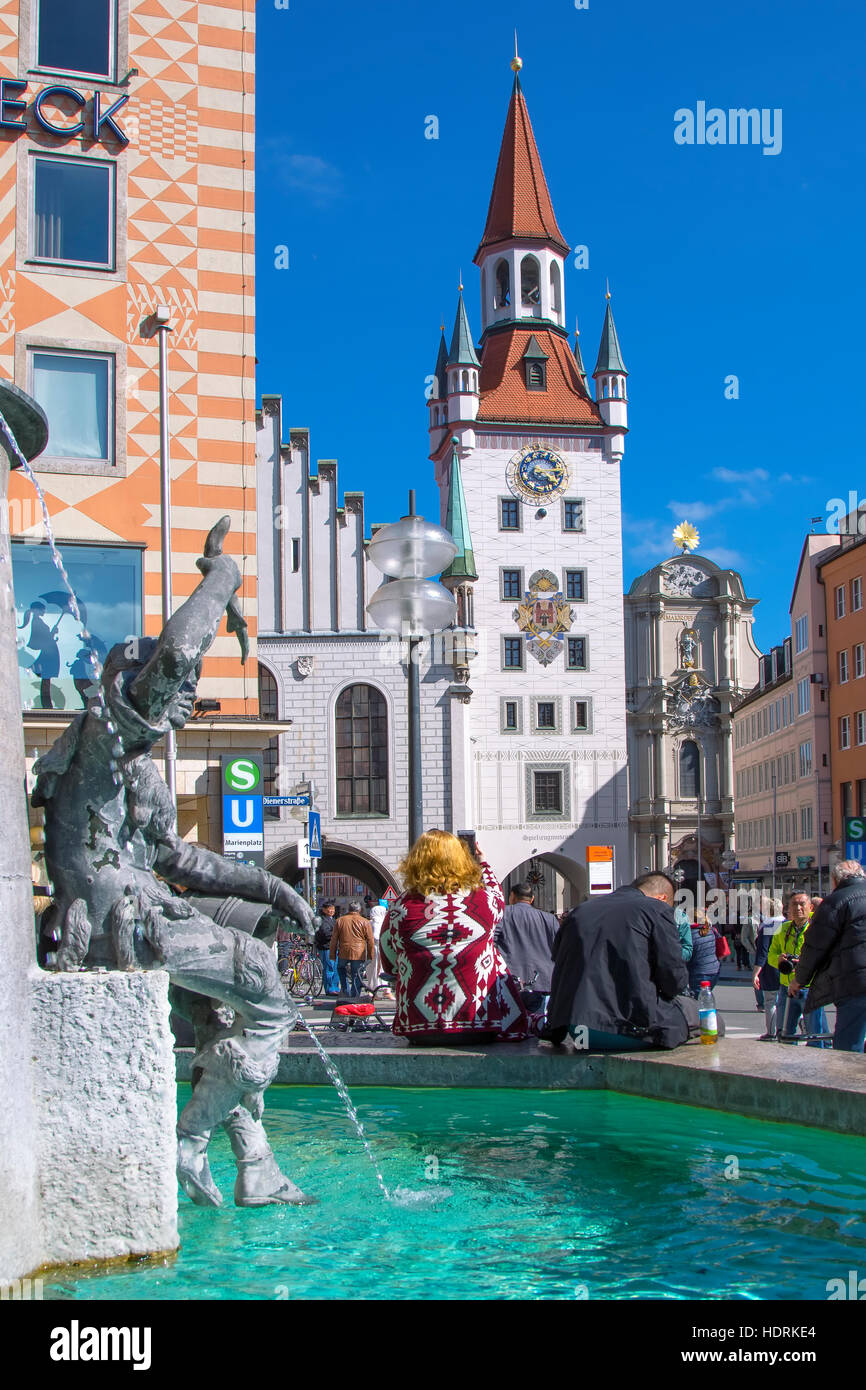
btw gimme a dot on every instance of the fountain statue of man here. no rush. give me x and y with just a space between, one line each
113 853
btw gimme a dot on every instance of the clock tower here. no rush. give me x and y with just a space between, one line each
527 464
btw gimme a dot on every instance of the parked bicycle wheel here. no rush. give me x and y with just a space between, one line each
313 975
296 981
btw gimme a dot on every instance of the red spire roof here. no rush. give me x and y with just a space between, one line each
520 206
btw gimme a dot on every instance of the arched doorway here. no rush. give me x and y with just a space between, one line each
559 882
341 868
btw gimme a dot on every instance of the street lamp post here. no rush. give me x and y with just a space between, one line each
412 605
158 324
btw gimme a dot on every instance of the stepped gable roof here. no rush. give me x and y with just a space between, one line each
504 393
520 206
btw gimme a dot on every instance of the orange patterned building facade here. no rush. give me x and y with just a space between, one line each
126 182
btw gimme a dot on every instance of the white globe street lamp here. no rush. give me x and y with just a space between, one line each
412 605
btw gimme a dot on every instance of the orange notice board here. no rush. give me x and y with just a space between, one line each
599 869
599 854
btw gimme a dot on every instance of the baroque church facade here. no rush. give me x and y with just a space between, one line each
523 701
690 659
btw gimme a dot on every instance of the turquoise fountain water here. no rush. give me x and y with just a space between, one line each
553 1195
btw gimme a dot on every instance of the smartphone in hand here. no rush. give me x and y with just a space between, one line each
468 838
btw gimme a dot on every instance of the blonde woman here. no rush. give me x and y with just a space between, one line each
452 984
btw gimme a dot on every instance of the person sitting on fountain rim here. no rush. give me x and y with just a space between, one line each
619 979
113 852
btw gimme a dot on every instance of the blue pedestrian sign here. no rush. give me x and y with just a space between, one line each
314 834
855 838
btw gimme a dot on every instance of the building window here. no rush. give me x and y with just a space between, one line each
509 514
361 719
546 718
859 660
805 822
77 36
861 796
511 716
690 771
856 595
76 391
512 653
296 554
73 212
536 376
843 667
806 759
270 782
572 514
845 731
581 716
575 585
57 665
530 282
268 700
576 654
502 279
846 794
860 727
801 634
547 793
511 583
840 601
803 696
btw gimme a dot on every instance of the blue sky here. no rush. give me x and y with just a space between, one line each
722 260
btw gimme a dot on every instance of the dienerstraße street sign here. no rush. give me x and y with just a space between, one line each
287 801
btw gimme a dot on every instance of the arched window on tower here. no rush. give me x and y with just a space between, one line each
361 727
555 288
616 388
502 293
530 282
465 381
484 288
269 709
690 771
605 390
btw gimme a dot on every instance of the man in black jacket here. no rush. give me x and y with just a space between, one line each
618 971
833 956
525 938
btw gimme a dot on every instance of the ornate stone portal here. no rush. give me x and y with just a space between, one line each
116 862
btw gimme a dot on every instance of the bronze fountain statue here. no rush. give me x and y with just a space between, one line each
116 862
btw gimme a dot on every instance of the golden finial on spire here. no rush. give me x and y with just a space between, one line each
516 61
686 535
576 327
460 280
607 289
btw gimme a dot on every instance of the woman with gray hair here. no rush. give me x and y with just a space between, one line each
833 956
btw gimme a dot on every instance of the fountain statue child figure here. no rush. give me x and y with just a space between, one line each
112 852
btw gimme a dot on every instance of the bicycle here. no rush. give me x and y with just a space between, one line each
303 976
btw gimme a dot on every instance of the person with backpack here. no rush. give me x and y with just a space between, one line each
766 976
704 963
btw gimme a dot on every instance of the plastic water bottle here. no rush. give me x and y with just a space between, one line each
707 1014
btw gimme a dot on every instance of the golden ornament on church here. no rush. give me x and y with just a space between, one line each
686 536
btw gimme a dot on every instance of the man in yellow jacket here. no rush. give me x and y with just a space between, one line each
784 953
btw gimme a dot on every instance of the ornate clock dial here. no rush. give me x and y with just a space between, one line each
536 474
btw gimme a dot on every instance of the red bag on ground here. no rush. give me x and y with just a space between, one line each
355 1010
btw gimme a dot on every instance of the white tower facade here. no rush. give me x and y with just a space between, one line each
528 470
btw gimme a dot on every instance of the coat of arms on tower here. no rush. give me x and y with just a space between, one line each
544 616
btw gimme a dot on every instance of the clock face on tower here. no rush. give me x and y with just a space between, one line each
536 474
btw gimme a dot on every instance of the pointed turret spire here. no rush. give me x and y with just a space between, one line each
520 206
440 376
462 567
609 354
462 352
578 355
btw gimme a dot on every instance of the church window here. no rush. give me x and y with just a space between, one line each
605 390
361 726
509 514
690 771
268 702
465 381
503 285
536 376
530 282
555 288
